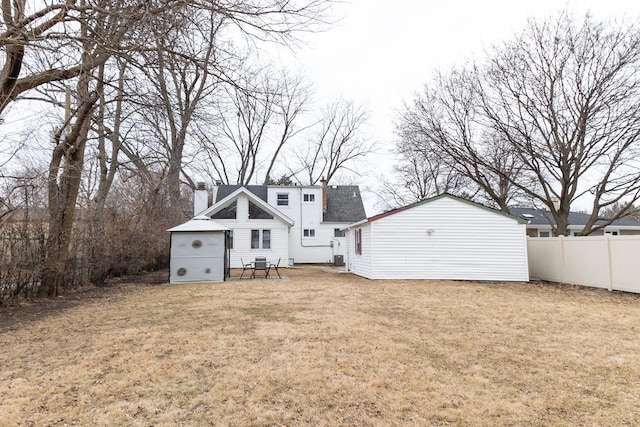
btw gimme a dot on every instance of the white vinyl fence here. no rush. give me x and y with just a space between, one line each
609 262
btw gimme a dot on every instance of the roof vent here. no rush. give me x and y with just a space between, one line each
527 215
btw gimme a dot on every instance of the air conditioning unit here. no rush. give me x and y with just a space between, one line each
338 260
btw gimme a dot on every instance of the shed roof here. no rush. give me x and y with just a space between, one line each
432 199
199 223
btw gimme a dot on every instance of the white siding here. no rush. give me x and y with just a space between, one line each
361 264
242 227
308 215
444 239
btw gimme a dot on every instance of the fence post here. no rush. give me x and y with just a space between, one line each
609 260
563 265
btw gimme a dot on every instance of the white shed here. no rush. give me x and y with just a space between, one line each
443 237
198 251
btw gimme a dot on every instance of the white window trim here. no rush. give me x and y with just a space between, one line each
311 195
307 233
278 200
261 239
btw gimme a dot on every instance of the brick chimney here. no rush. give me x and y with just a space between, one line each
324 194
200 199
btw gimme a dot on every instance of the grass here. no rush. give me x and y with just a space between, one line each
323 349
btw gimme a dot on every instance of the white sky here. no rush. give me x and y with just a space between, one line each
382 52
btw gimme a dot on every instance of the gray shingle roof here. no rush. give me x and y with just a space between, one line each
537 217
224 190
344 202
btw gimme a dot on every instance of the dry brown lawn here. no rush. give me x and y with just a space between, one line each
323 349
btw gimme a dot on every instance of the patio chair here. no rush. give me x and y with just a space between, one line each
262 265
245 267
275 267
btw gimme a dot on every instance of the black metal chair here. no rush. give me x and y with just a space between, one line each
245 267
275 267
262 265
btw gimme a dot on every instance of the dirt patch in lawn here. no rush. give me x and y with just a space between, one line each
322 349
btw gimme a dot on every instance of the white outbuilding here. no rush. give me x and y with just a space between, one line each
198 251
443 237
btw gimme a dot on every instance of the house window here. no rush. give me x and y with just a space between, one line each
230 239
282 199
358 236
255 239
228 212
266 239
256 212
309 198
544 234
309 232
338 233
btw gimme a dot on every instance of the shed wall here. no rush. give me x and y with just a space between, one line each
444 239
197 263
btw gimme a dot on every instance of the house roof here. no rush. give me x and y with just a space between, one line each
432 199
199 223
344 202
542 217
223 191
224 201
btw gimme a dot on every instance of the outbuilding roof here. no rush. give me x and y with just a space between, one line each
432 199
199 223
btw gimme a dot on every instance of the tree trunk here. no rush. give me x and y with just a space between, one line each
67 163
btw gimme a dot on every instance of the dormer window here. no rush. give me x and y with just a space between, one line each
282 199
309 198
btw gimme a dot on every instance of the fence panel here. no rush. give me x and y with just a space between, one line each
610 262
545 259
625 262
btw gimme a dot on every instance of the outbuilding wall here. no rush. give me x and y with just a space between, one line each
444 238
197 256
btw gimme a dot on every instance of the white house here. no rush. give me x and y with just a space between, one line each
443 237
299 224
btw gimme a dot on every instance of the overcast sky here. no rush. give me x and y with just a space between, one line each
382 52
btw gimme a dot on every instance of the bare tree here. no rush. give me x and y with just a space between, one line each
550 117
180 81
445 124
337 144
566 96
293 96
260 116
418 174
46 42
65 173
